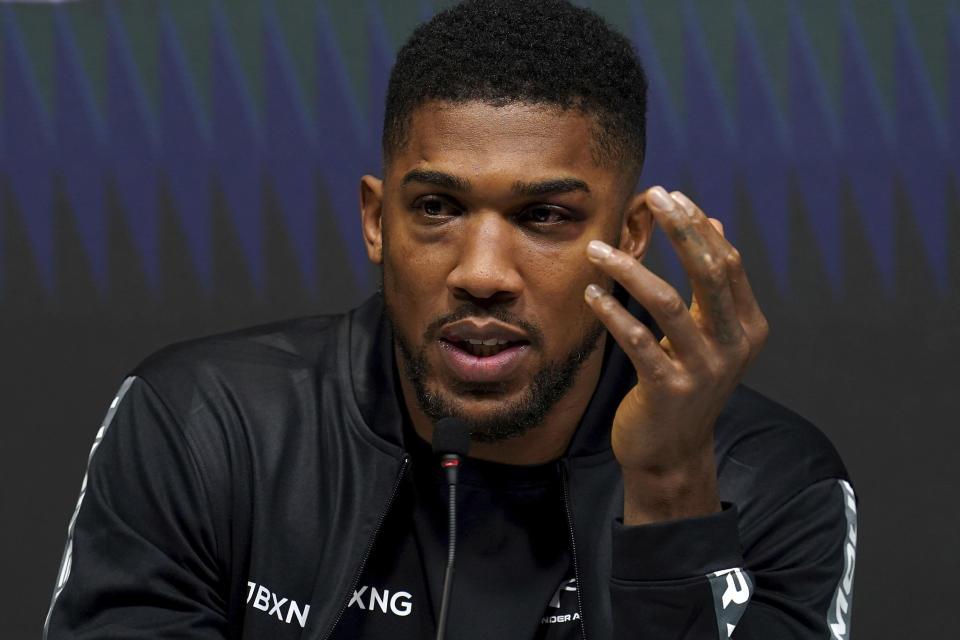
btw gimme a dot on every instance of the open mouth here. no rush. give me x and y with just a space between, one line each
484 348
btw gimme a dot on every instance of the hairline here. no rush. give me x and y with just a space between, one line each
615 156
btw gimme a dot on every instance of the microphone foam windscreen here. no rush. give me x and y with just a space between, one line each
451 435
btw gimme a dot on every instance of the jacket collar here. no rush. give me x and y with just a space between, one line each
373 370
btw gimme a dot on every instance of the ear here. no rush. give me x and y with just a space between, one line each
371 211
637 226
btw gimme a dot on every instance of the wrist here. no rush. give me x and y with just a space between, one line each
670 494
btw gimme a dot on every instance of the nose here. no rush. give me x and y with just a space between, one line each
486 269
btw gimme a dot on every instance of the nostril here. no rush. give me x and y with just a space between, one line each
496 297
484 274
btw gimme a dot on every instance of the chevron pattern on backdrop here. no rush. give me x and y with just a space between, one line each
270 110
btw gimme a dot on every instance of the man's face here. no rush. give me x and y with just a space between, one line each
481 228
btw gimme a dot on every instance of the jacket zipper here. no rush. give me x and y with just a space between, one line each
373 538
564 482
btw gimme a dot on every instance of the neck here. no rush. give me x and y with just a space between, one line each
543 443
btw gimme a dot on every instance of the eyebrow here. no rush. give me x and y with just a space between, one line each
436 178
526 189
546 187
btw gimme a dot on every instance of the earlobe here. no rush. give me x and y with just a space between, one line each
637 227
371 211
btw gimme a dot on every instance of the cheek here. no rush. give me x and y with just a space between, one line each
555 282
411 279
561 274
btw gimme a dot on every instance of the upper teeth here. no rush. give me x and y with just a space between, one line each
489 343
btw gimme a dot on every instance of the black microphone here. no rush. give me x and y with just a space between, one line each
451 440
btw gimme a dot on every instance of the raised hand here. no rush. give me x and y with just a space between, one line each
663 430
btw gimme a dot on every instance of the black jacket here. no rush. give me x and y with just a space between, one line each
256 468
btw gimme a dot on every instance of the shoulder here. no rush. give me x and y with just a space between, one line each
241 364
282 343
236 399
245 405
289 381
768 455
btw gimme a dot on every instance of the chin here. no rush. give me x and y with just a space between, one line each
492 416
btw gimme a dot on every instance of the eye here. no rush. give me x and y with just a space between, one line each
436 207
544 215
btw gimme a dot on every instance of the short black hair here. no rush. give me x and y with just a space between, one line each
546 52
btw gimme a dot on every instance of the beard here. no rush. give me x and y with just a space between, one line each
512 418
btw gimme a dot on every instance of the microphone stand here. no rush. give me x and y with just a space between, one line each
451 440
450 462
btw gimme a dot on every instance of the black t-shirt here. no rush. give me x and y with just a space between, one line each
514 574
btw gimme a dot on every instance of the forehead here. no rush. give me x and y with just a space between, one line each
524 139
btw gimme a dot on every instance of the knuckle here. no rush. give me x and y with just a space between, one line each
682 385
671 303
714 272
734 260
637 337
607 303
762 330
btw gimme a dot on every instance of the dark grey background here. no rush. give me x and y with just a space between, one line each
107 252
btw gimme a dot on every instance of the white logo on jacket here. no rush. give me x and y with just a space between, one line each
399 604
838 615
265 600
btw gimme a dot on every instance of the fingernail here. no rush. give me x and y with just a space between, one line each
598 250
592 291
685 202
660 199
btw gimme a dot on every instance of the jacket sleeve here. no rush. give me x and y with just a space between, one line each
790 576
140 559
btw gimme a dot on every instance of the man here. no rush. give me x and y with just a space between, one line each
278 482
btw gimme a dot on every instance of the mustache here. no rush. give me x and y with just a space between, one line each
495 312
